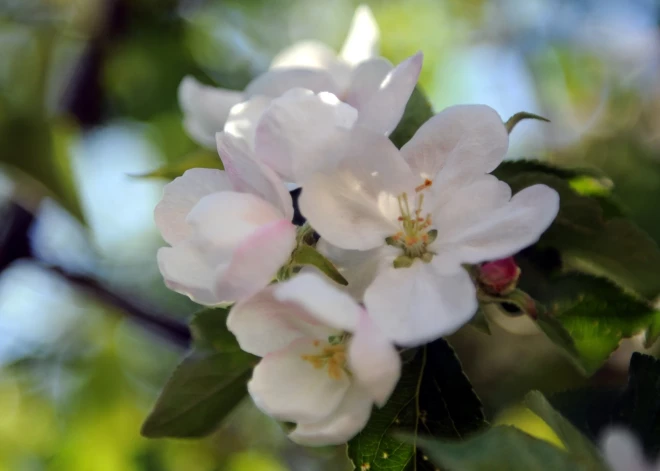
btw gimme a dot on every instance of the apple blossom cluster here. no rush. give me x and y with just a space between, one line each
401 225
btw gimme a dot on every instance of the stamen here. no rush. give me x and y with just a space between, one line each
427 183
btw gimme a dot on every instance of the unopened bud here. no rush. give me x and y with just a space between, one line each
499 277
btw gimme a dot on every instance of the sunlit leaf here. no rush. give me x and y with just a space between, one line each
501 447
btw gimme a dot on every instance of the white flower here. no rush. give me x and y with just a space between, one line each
354 76
229 232
623 453
324 362
409 219
301 131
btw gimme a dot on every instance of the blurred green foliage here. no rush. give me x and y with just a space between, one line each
68 67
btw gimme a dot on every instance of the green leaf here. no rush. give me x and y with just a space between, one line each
417 112
587 316
206 386
432 397
203 389
480 321
308 255
500 448
638 408
591 242
200 159
521 116
575 442
40 150
209 331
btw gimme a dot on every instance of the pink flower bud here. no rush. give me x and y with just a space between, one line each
500 276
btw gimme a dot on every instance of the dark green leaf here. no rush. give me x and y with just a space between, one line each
200 159
418 111
638 408
500 448
614 248
575 442
206 386
209 330
308 255
433 397
203 389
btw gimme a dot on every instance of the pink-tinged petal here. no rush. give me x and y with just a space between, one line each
505 230
221 222
373 360
256 261
179 197
416 305
355 205
459 141
383 111
623 452
249 176
343 424
289 388
263 324
205 109
365 81
276 82
329 305
243 118
358 267
363 38
187 271
302 132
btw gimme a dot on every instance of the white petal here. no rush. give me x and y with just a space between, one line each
460 140
355 206
256 260
373 360
179 197
249 176
343 424
288 388
243 118
276 82
365 81
222 221
504 231
623 452
363 39
359 267
301 132
416 305
187 271
321 300
384 110
205 109
309 54
263 324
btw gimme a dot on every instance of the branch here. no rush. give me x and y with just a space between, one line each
160 323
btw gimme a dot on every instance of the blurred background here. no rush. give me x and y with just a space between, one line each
88 102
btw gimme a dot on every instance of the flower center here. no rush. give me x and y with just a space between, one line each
415 234
332 356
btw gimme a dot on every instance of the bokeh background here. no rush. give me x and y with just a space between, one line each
88 102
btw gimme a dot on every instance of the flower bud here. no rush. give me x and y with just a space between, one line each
499 277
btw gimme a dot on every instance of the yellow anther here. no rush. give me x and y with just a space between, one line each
332 357
427 183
